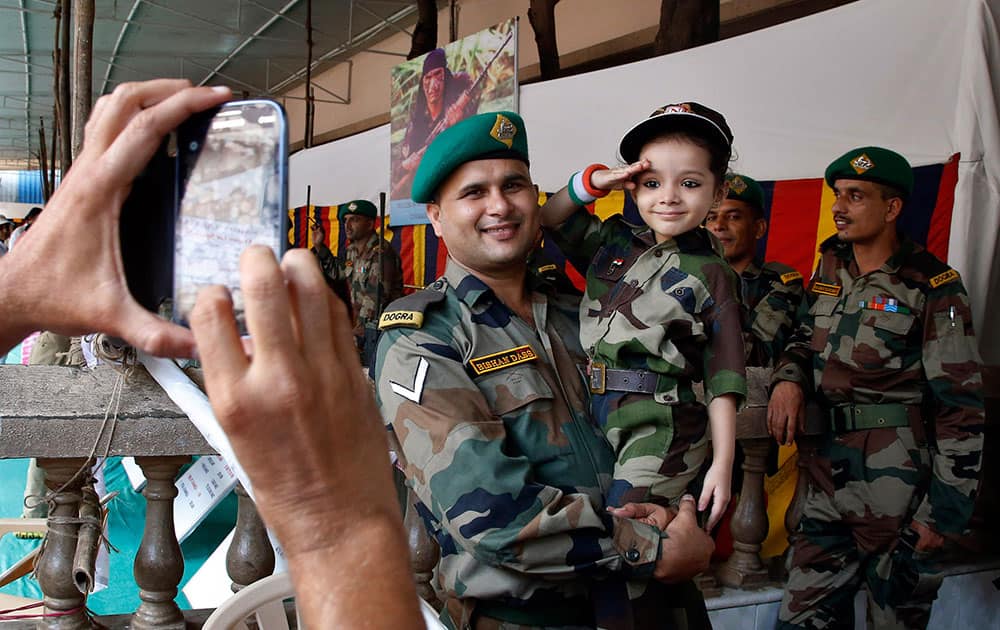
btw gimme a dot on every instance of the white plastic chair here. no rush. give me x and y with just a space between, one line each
264 601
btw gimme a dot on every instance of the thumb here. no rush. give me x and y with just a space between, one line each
152 334
686 510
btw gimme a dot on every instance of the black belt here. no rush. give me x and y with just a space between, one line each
601 379
852 417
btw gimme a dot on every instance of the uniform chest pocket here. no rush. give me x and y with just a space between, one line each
823 317
524 401
885 339
509 389
610 264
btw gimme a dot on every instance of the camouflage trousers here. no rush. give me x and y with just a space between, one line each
855 532
659 449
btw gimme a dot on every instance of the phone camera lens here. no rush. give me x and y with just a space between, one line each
193 146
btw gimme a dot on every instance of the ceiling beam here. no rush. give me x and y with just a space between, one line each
378 17
117 46
351 43
260 30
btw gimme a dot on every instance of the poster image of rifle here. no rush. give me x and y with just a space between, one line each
473 75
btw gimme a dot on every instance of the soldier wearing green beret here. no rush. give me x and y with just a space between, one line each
360 264
477 377
886 345
771 291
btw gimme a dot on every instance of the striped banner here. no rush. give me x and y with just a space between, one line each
799 220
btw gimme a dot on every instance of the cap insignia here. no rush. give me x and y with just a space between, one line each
353 206
737 185
503 130
862 163
679 108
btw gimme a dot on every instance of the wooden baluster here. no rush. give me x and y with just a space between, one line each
159 565
424 552
55 566
250 556
749 524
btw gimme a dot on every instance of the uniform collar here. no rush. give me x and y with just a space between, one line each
471 290
698 240
907 247
367 244
753 270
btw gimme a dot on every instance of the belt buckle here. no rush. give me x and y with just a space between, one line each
597 378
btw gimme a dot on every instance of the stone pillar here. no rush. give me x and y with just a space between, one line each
159 565
749 524
55 565
250 556
424 552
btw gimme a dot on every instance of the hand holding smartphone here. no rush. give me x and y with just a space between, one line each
215 186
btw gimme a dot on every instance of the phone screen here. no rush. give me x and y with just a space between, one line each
232 194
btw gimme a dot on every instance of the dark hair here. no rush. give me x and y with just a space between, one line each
888 191
34 212
718 153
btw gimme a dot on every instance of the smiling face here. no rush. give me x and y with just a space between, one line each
738 228
487 213
862 211
678 189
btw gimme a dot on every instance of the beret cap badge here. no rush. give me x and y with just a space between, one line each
862 163
504 130
737 185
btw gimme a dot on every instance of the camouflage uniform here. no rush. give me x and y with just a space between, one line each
671 311
771 294
361 270
491 415
893 356
332 268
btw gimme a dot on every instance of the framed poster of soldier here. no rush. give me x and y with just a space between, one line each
430 93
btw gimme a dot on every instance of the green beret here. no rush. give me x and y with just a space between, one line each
873 164
359 206
484 136
746 189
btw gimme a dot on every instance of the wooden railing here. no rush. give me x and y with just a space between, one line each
56 415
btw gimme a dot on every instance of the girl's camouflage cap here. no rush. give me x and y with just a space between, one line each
497 135
359 206
743 188
873 164
674 117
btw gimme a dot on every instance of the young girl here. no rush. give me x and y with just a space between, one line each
661 309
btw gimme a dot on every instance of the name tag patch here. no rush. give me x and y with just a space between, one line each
823 288
413 319
942 278
790 276
549 267
502 359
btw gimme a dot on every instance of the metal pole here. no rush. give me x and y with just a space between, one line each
308 142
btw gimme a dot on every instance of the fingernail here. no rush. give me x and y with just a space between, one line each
221 89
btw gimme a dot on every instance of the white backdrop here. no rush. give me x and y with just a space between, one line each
919 76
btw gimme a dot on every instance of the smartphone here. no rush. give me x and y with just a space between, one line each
215 186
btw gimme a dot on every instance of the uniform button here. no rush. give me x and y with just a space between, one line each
881 420
668 398
857 411
632 554
658 253
634 283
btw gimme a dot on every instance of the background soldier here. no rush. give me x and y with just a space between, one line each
888 348
477 376
333 269
361 268
772 291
